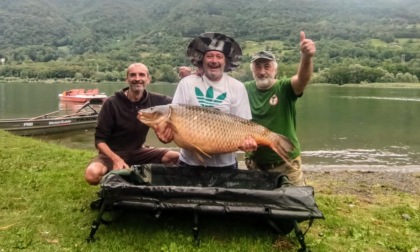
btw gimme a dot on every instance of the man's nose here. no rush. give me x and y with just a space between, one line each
213 59
261 71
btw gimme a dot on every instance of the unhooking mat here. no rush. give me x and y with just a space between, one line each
161 188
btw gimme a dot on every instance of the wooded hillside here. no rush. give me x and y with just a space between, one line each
357 41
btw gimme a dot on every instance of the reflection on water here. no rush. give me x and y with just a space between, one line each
70 106
77 107
404 99
394 157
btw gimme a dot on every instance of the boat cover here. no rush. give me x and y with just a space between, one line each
210 190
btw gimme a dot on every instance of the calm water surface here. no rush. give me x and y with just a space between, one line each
339 127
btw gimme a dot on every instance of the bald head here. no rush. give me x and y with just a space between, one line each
137 66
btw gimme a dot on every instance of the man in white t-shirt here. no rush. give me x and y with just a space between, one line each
214 54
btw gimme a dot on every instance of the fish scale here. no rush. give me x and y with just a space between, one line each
208 131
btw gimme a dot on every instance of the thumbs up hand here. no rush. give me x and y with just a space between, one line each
307 46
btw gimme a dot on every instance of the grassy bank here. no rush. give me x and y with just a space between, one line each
44 206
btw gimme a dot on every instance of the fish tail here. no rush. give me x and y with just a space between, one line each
281 145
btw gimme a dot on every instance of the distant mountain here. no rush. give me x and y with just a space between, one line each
85 24
113 33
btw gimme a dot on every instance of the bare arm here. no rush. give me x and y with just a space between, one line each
164 133
305 70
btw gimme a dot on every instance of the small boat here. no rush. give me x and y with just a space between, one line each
54 122
79 95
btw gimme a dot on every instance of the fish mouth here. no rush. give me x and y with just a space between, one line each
148 118
151 119
155 115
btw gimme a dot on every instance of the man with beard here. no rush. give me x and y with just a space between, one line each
213 54
119 136
272 104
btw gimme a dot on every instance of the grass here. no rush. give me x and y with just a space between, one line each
407 40
252 47
378 43
44 206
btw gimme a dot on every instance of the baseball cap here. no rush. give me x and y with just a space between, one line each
263 55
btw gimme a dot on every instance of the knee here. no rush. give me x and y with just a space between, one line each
91 177
94 174
170 157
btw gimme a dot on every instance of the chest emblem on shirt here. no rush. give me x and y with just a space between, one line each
208 99
274 100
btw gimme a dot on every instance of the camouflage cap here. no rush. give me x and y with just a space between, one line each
212 41
263 55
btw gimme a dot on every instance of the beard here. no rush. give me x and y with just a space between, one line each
264 83
213 74
137 87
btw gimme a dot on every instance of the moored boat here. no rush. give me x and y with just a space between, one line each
85 118
79 95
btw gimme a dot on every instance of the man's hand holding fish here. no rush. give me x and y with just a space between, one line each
162 130
249 144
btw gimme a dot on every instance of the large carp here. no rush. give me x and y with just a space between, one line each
207 131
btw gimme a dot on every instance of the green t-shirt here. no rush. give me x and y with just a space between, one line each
274 109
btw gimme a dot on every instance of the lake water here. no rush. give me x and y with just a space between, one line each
340 127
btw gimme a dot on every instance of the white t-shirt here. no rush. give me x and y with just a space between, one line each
228 95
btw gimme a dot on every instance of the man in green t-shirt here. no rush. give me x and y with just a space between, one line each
272 104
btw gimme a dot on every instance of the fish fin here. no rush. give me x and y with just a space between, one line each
201 151
199 156
282 146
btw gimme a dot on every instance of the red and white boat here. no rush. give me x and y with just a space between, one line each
79 95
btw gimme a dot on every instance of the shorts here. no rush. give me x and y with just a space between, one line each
293 171
144 155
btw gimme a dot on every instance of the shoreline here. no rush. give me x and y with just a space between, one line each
362 168
414 169
362 181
